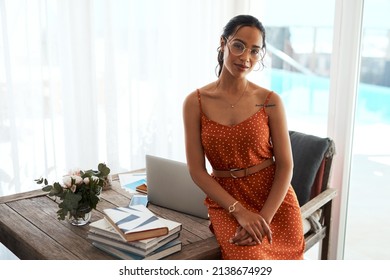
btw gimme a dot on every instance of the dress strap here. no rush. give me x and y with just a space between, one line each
267 99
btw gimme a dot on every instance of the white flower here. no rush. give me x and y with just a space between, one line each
86 180
73 188
95 178
67 180
78 179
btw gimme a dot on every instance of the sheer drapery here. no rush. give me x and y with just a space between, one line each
83 82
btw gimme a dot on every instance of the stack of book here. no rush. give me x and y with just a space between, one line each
135 233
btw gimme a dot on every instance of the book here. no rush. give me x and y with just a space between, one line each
135 222
164 251
126 247
104 229
142 188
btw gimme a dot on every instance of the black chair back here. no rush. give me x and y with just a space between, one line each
309 155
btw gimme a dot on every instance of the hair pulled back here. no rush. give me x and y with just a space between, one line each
232 27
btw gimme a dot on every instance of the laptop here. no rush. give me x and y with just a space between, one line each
170 185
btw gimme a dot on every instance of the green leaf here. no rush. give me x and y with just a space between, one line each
39 181
61 214
57 189
47 188
90 173
104 170
71 200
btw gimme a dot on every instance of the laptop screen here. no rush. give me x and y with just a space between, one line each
171 186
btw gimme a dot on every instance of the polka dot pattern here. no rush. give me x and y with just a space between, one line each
239 146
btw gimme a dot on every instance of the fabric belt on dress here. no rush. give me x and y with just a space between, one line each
242 172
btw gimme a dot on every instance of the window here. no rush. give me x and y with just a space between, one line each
298 67
99 81
367 229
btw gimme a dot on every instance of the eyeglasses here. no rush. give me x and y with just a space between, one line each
237 48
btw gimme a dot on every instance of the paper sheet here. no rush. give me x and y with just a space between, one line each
131 181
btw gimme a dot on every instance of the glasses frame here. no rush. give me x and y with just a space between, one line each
256 59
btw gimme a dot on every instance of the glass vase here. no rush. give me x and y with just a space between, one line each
81 217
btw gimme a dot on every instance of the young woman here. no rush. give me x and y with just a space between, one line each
241 128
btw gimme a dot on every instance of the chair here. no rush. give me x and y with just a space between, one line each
312 158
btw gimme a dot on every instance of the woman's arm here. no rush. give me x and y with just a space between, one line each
195 154
283 158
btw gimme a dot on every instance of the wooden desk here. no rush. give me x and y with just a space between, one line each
30 229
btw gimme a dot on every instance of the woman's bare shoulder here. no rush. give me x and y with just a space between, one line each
192 99
261 93
207 89
274 97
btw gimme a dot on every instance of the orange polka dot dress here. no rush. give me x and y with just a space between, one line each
240 146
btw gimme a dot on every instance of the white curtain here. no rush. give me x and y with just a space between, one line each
83 82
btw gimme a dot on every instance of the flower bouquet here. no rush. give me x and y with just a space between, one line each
79 192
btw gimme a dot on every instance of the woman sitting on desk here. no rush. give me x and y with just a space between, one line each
242 130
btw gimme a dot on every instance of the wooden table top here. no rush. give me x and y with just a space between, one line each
30 229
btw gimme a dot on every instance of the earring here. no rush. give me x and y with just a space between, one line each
259 68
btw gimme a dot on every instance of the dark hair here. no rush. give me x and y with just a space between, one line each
232 27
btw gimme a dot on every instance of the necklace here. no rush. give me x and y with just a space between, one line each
242 94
